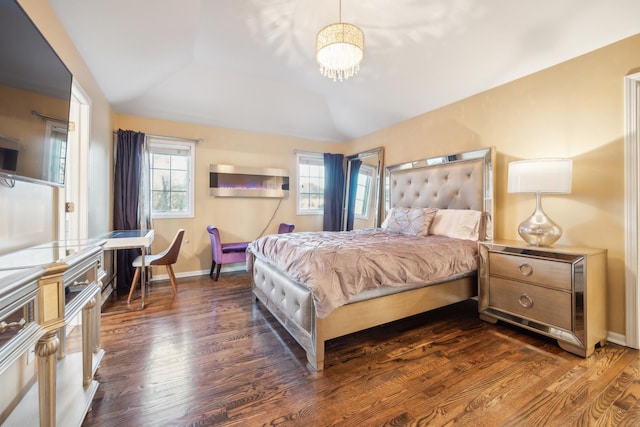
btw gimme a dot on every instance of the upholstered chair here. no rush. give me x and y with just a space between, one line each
285 228
168 257
224 253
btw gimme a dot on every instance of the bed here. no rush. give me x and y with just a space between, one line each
376 286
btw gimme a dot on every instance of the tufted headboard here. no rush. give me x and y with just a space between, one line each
458 181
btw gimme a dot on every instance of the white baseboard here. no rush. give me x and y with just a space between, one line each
225 269
617 338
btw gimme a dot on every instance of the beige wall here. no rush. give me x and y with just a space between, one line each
575 110
27 216
238 219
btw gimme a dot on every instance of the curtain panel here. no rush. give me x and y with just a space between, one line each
126 196
333 191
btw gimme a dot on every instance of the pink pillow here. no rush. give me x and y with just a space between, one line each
414 221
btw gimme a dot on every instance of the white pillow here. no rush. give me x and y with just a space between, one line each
457 223
414 221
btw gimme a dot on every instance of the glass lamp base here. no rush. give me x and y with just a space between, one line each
539 229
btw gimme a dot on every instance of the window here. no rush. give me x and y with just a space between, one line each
363 191
171 178
310 183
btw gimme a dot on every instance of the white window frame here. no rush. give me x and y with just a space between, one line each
307 158
173 146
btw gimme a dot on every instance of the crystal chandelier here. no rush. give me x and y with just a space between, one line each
340 49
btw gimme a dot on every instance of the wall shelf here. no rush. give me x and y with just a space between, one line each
238 181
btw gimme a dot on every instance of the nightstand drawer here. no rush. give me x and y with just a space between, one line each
532 302
548 272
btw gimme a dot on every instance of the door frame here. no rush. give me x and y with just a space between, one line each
76 188
632 196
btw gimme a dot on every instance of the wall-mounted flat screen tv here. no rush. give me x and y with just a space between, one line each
35 93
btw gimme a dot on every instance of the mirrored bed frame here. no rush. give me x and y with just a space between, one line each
459 181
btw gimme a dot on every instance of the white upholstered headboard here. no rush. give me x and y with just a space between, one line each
457 181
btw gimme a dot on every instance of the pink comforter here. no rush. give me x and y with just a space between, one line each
335 266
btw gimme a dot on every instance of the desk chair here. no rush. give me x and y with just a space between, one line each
168 257
224 253
285 228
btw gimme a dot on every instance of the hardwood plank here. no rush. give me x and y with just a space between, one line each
613 379
212 356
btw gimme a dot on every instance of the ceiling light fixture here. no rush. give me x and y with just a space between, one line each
340 49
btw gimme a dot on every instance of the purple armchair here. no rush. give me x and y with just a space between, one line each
224 253
285 228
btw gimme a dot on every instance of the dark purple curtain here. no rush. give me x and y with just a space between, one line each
126 194
352 191
333 191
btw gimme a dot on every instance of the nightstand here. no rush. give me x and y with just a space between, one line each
558 291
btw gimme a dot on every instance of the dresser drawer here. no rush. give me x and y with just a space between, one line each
533 302
548 272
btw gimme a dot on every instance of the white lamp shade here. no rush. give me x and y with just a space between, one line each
540 176
339 50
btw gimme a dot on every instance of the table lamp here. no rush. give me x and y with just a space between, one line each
540 176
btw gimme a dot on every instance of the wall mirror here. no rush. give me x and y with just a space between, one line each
363 190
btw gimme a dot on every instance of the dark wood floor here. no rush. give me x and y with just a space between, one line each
211 356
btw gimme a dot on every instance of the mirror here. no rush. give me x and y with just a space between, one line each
362 190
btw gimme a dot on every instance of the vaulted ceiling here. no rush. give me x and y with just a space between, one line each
250 64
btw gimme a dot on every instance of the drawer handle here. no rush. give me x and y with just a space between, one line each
525 269
4 325
525 301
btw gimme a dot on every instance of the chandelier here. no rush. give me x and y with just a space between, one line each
340 49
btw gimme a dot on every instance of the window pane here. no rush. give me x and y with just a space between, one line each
178 200
303 201
316 201
162 161
316 185
160 201
161 180
304 185
179 180
179 163
316 171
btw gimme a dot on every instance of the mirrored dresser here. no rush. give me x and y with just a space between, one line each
50 332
